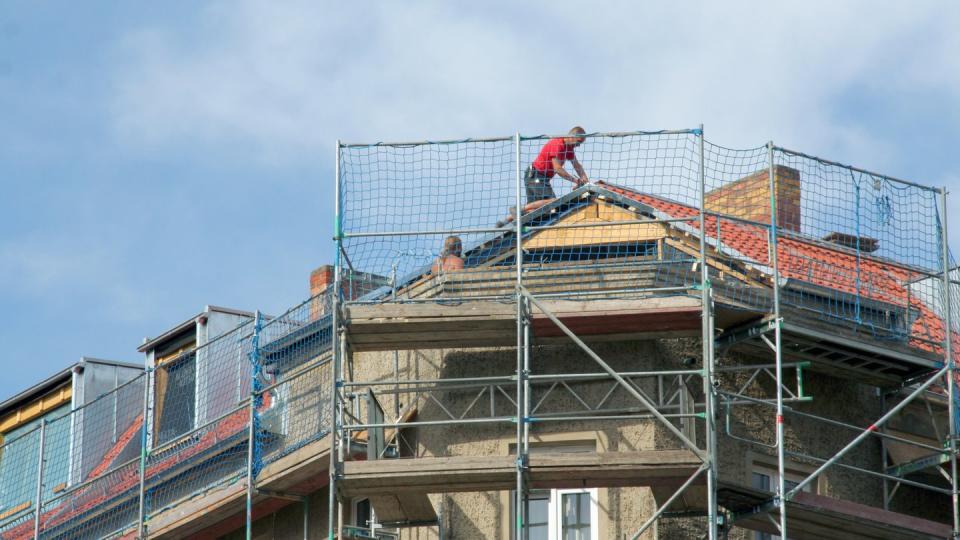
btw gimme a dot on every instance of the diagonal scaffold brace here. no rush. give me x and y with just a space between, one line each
616 376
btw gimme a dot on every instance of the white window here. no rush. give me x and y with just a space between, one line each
767 479
562 514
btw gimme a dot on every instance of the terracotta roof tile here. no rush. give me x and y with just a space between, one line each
817 264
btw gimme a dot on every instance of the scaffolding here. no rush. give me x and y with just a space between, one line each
808 263
132 462
772 263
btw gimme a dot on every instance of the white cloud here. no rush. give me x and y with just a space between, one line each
279 82
285 79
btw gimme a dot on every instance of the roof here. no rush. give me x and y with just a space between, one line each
814 262
55 381
832 268
150 343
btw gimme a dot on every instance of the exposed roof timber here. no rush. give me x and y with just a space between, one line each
861 345
548 211
50 383
884 366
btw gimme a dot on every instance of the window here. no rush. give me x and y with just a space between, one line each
202 374
364 523
362 513
561 514
538 514
175 402
19 454
766 479
575 516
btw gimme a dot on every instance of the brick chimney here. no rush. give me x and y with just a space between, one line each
355 285
749 197
320 279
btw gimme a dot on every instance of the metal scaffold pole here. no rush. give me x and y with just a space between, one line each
343 443
708 357
250 489
885 456
520 499
39 493
870 430
951 368
144 453
778 348
252 426
526 406
335 367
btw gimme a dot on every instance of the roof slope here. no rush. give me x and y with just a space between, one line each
831 268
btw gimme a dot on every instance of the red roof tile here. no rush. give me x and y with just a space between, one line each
817 264
88 498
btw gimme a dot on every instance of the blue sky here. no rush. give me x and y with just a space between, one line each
156 158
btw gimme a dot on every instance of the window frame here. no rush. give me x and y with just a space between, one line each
29 433
187 359
556 518
792 474
588 442
555 510
377 530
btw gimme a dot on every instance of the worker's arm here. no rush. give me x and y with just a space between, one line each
558 168
580 172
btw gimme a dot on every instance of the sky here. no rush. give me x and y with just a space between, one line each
159 157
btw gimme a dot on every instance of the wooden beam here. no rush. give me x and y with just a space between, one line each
36 408
713 259
634 271
490 323
599 213
15 510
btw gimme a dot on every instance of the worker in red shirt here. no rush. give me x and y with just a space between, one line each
549 163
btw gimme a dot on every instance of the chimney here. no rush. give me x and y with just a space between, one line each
355 285
749 198
320 279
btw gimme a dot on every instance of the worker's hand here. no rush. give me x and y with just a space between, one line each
580 182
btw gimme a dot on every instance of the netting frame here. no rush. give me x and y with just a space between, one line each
773 235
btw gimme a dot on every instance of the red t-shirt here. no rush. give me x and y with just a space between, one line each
555 148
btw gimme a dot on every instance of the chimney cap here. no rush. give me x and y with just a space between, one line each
852 241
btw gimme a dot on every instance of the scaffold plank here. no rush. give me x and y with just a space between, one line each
403 507
493 473
492 323
818 517
301 472
834 351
